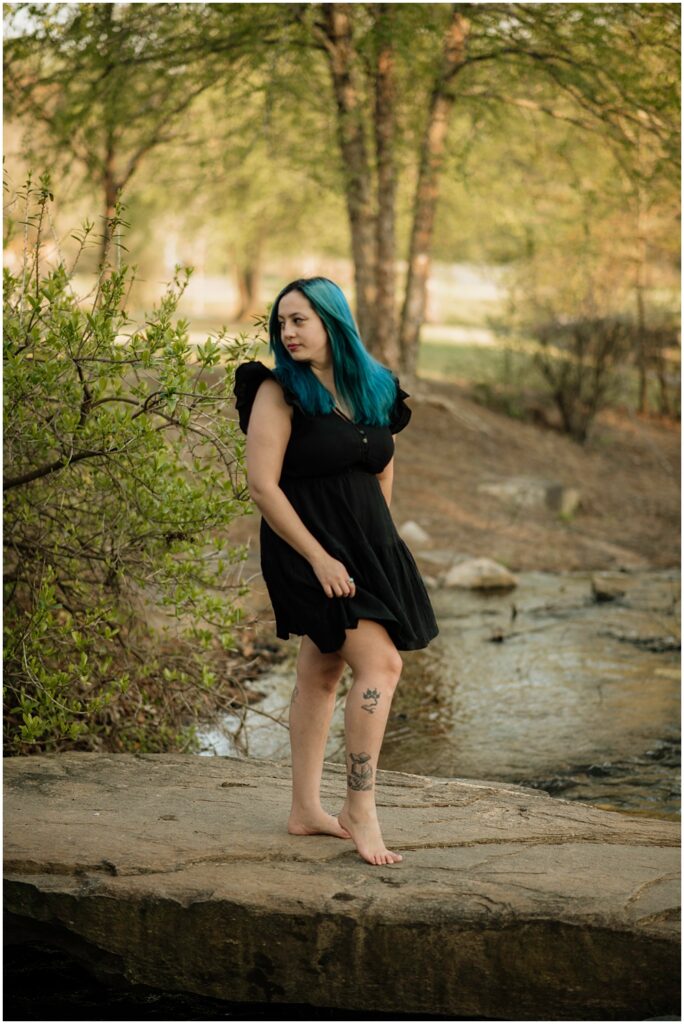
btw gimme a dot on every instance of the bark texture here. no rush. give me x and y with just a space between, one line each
427 192
386 339
337 38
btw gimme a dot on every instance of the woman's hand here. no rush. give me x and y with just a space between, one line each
333 577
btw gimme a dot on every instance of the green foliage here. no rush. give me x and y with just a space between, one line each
122 472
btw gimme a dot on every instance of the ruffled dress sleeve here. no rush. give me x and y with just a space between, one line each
400 413
248 378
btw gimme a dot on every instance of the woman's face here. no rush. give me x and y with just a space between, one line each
302 331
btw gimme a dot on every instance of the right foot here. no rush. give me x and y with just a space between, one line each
315 824
365 831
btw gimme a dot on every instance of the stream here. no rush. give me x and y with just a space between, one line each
547 685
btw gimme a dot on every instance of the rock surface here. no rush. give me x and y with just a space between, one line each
413 533
535 493
177 871
479 574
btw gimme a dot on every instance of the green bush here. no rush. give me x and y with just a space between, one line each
122 472
578 360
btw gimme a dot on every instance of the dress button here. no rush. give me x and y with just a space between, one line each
365 440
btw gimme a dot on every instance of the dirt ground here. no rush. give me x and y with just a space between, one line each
627 474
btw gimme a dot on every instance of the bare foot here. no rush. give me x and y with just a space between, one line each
365 831
316 823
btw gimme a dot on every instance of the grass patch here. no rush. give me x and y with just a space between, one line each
498 376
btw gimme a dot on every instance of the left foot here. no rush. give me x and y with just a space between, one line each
365 831
316 823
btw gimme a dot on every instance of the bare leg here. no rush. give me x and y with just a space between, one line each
311 708
376 665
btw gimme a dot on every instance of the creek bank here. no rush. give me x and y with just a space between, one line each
176 872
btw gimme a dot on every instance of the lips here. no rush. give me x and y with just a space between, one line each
292 347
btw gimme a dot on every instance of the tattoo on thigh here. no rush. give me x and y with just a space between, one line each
360 776
372 696
295 694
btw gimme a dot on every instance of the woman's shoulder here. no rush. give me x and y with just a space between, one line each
249 376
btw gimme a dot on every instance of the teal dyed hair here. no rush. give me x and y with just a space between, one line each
368 388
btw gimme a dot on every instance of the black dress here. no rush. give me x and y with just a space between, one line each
328 475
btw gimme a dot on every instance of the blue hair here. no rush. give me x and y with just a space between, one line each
368 388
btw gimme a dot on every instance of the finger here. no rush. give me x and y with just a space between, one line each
349 586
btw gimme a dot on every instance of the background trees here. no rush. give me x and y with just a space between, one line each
388 107
571 62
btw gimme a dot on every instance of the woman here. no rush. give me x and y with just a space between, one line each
319 456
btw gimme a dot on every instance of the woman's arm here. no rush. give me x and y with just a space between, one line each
386 479
268 433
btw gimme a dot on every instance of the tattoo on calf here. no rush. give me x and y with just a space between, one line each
372 696
295 694
360 776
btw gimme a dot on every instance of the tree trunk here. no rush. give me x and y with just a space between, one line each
427 190
248 273
109 180
386 339
111 194
659 342
639 288
642 350
339 45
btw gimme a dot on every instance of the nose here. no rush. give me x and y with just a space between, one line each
287 332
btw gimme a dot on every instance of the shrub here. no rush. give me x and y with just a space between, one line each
578 361
122 472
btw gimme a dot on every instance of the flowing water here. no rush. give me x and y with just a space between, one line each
543 685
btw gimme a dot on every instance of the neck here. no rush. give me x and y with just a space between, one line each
326 377
323 372
320 366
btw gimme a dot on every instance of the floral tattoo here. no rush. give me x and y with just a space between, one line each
372 696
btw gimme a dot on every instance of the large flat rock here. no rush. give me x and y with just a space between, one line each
177 871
